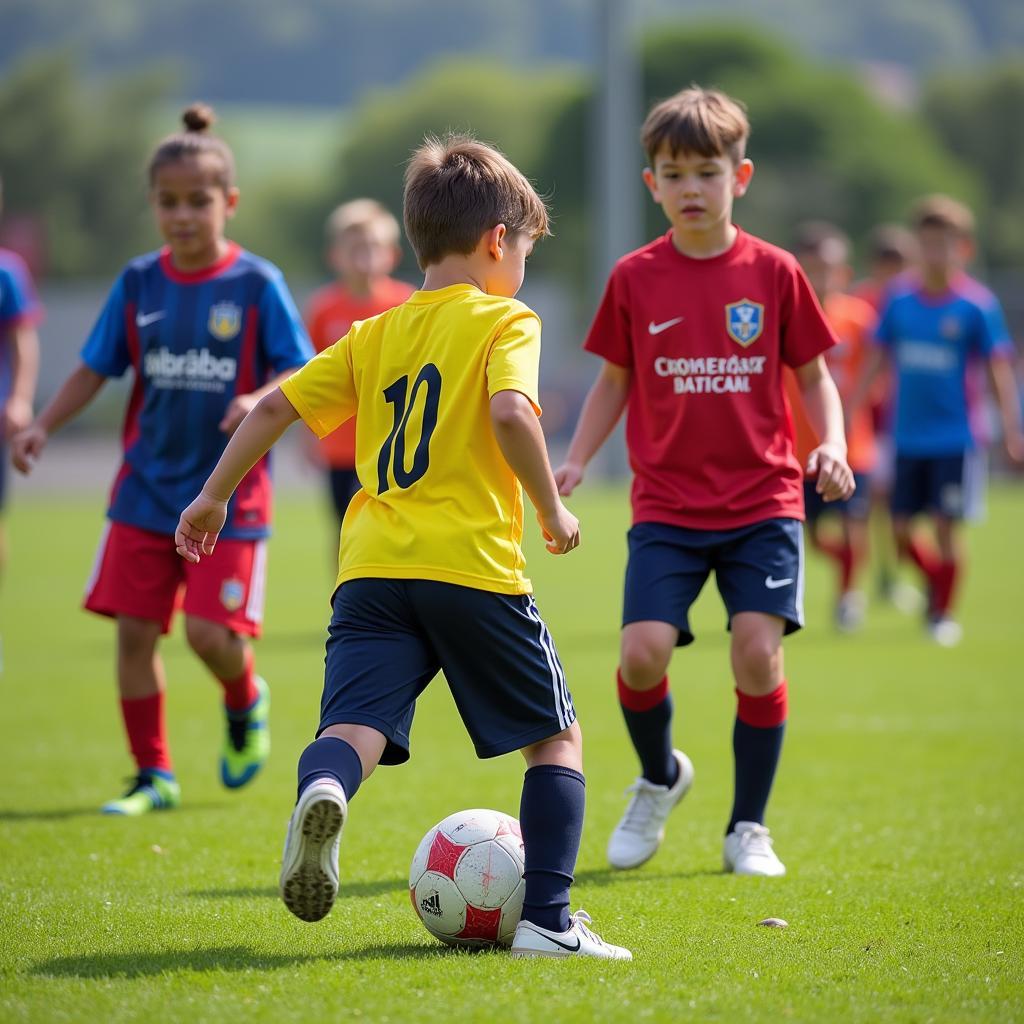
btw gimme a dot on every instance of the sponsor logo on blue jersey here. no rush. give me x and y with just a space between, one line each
225 320
744 320
194 370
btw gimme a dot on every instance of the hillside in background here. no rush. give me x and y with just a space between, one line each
328 53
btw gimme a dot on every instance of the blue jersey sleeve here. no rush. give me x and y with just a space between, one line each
106 349
17 298
991 336
886 327
283 335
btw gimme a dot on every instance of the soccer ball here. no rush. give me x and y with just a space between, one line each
466 880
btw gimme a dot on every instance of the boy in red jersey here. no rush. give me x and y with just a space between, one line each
362 250
823 251
694 330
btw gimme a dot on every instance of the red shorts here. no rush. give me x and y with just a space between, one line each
139 573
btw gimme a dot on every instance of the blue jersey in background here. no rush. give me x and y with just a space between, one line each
194 341
932 340
18 305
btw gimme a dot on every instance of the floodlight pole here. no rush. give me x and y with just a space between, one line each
617 214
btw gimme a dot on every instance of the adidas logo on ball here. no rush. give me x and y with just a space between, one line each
431 904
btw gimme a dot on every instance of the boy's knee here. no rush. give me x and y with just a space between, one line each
136 638
207 639
757 654
644 662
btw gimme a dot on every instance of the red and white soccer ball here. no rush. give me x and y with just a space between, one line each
466 880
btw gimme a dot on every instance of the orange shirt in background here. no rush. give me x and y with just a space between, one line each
332 310
854 321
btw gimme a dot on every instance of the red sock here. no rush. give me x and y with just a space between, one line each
641 700
240 694
847 563
766 712
945 582
147 734
831 547
926 560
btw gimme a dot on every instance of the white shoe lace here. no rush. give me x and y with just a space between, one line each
643 808
756 841
579 921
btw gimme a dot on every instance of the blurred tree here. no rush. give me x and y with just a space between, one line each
978 116
822 144
73 159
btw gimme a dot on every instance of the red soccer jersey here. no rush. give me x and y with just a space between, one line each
708 427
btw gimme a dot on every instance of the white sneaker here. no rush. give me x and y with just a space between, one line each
532 940
850 611
945 632
640 832
748 851
309 871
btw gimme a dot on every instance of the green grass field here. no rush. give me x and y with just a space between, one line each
899 813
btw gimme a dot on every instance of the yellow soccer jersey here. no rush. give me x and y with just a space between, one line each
438 501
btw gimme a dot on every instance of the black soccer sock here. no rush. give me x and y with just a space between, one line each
757 744
333 758
551 817
648 715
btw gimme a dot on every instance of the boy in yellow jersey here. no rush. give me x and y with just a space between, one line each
447 439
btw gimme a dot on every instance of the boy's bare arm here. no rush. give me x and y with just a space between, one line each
242 405
203 520
74 395
1004 384
602 408
825 412
521 440
24 373
862 389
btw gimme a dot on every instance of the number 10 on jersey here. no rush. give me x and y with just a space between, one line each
403 399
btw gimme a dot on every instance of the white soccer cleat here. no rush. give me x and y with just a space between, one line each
532 940
640 832
850 611
945 632
748 851
309 871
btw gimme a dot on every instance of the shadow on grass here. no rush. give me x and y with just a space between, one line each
93 811
371 888
142 964
611 876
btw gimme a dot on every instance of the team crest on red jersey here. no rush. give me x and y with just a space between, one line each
744 320
225 320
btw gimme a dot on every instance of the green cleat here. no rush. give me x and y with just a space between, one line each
247 743
150 791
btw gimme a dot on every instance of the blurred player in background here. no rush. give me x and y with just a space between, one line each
431 572
695 330
20 312
933 324
824 254
207 329
891 252
362 250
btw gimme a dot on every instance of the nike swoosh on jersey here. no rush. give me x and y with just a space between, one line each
145 319
774 584
654 328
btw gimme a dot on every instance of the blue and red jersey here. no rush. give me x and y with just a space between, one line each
194 341
18 305
934 340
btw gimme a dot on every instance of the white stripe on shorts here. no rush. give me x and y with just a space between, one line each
560 692
97 564
800 578
257 583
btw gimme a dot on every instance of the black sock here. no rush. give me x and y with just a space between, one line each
648 715
333 758
551 817
756 751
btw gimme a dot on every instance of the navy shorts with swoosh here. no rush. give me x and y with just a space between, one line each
758 568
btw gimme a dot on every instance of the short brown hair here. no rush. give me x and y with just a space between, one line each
941 211
696 120
457 188
362 214
195 140
822 239
891 243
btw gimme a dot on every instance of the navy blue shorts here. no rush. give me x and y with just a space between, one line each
758 568
389 638
930 483
857 506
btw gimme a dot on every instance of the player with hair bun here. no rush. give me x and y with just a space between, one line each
206 329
